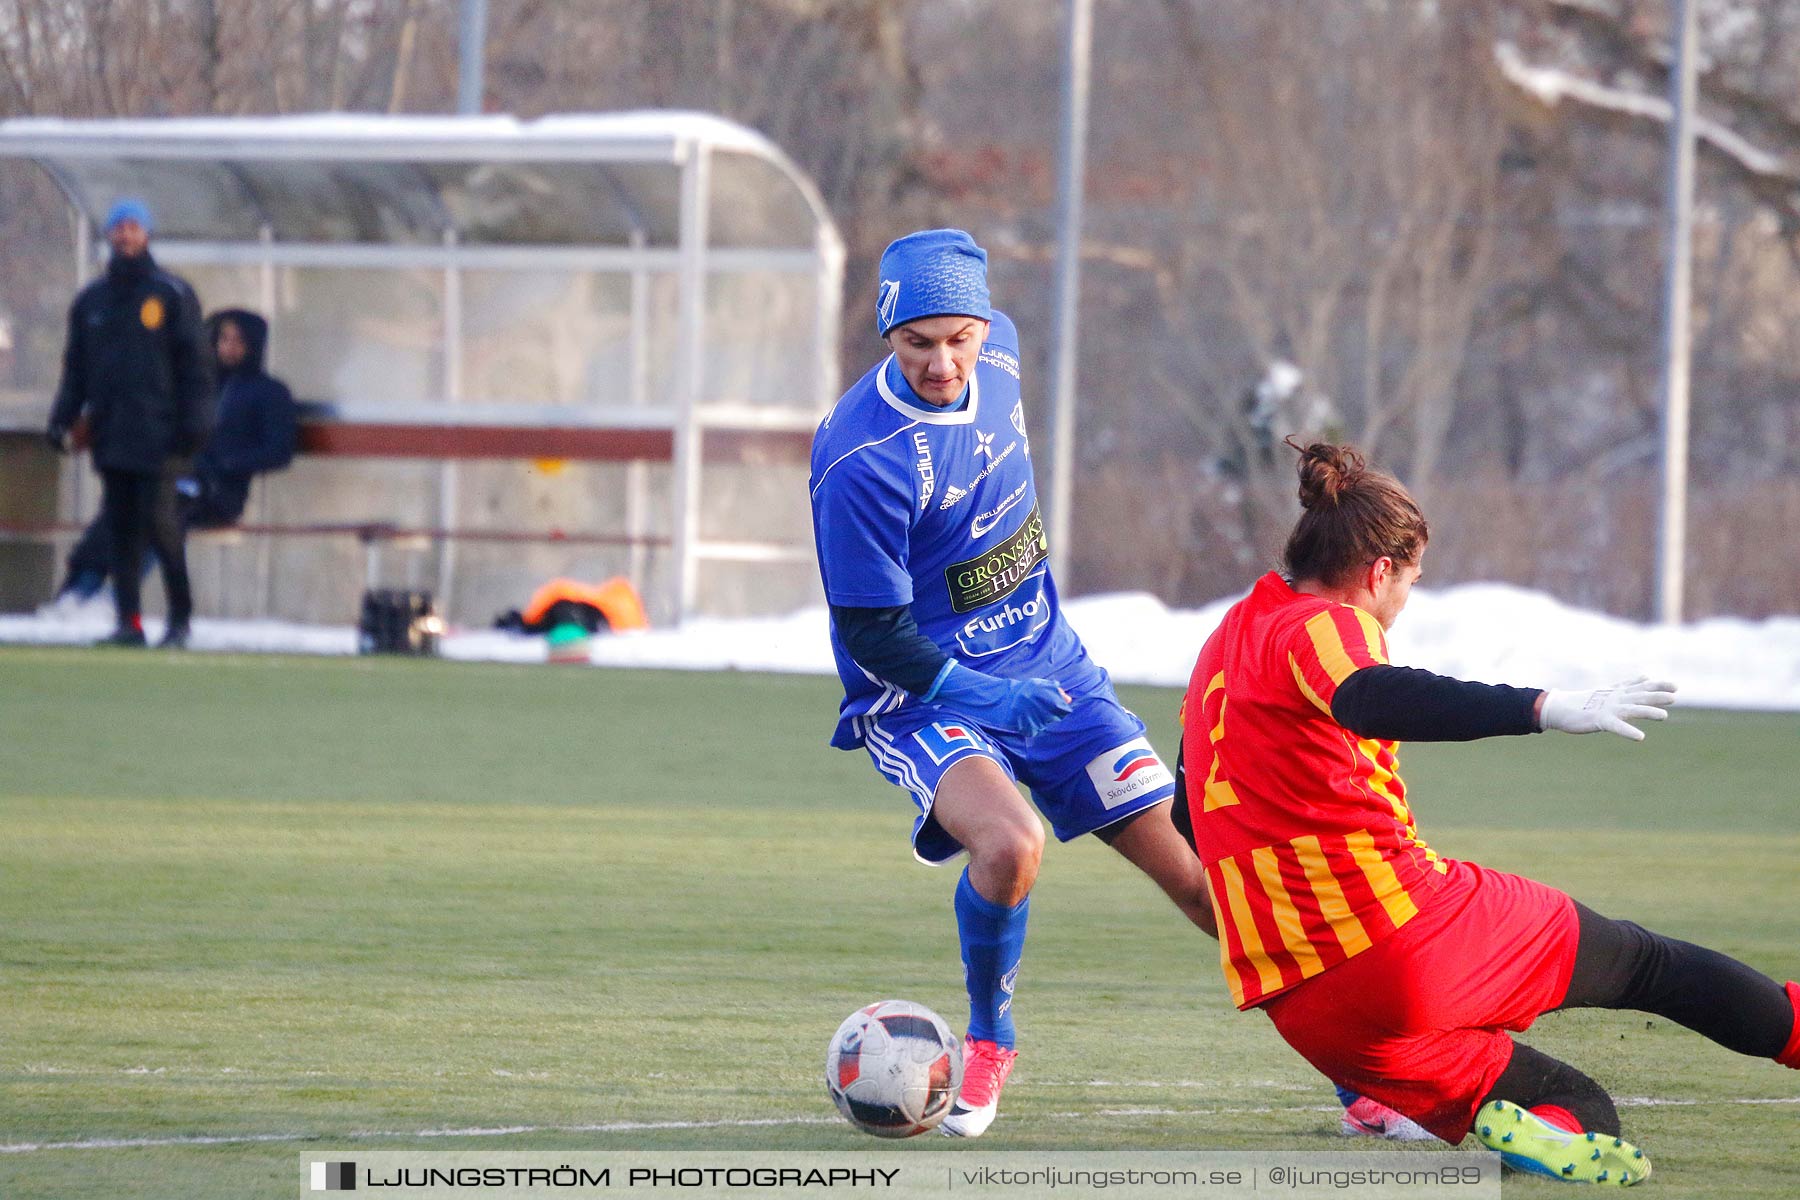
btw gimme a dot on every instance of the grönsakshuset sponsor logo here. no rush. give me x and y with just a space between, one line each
995 574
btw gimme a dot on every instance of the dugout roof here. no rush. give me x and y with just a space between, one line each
417 181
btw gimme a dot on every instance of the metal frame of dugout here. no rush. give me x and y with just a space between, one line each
646 196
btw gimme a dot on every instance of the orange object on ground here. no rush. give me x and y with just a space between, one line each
616 600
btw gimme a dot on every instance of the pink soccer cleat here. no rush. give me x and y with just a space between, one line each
985 1068
1371 1118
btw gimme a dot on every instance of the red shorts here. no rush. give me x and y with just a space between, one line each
1418 1020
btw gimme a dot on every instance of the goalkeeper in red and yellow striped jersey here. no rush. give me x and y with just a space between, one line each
1395 971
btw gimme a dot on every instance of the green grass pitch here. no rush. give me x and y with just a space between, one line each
355 900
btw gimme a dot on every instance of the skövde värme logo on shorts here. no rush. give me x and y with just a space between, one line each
1131 762
1126 772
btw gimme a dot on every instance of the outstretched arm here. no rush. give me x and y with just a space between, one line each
1404 704
1407 704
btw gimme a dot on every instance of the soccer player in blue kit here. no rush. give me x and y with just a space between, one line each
961 677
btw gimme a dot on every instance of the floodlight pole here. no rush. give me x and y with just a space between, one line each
1677 337
1071 169
472 56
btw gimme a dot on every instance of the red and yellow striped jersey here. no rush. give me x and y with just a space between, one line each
1309 846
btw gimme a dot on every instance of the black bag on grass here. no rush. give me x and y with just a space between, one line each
398 621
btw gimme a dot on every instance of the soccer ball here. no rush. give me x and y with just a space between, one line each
893 1068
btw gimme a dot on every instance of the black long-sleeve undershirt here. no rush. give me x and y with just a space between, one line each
886 642
1404 704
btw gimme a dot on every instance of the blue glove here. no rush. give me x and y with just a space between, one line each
1027 706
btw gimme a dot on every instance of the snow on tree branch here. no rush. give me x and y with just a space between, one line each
1551 86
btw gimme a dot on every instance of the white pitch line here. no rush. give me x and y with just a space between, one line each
761 1122
140 1143
361 1134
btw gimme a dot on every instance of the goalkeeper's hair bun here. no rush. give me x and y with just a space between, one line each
1354 514
1326 472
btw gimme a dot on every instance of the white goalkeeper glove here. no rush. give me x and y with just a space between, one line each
1608 708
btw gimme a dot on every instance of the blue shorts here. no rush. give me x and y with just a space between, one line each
1091 769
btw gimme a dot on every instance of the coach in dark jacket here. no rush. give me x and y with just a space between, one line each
135 367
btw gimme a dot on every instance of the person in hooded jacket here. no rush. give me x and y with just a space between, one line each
135 368
255 429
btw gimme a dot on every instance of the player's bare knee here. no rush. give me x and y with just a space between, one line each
1021 850
1004 864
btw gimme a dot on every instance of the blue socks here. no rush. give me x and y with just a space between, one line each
1346 1097
993 940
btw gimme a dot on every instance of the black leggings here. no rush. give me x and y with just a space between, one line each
1619 964
140 508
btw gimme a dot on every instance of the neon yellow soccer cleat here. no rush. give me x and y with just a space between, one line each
1529 1143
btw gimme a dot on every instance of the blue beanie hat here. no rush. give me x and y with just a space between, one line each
932 273
129 208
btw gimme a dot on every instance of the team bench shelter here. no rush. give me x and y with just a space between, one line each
590 345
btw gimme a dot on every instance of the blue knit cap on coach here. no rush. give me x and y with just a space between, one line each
128 209
932 273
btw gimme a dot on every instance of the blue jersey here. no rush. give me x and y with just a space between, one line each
937 509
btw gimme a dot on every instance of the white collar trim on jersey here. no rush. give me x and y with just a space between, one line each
927 413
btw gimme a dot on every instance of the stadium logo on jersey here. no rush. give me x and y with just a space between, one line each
951 495
991 577
999 356
984 523
1127 772
890 296
944 740
984 444
927 477
980 636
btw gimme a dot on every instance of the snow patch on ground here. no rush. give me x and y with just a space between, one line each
1491 632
